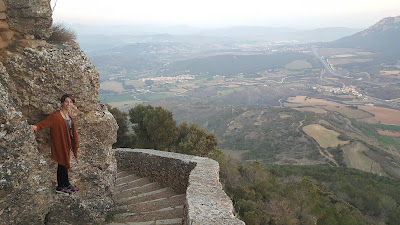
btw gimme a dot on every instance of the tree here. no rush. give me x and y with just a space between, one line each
154 127
124 138
394 217
194 140
149 82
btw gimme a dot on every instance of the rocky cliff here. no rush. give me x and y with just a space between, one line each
34 74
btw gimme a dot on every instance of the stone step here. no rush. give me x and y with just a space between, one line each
161 214
148 196
138 201
176 221
131 184
154 205
123 173
121 180
138 190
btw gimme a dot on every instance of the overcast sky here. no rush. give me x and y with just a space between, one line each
219 13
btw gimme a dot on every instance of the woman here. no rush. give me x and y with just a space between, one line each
63 139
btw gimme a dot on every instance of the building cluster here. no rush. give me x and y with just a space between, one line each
343 90
180 78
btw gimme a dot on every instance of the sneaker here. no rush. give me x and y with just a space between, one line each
63 190
72 189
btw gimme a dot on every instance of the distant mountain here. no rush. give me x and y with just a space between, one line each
281 33
93 38
383 36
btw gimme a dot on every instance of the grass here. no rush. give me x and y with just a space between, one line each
125 104
354 157
301 101
136 83
61 33
384 115
112 86
393 128
155 97
370 130
298 65
325 137
115 98
230 91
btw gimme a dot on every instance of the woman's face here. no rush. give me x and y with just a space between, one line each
67 104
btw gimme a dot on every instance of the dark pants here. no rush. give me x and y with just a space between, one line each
62 176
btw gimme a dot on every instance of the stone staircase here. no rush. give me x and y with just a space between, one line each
142 202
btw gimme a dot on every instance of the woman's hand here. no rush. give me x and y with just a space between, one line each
33 128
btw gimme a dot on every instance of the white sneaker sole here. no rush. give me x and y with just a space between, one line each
61 192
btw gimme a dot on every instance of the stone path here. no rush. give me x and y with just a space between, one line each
138 201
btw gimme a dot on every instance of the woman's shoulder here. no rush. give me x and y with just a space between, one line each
56 115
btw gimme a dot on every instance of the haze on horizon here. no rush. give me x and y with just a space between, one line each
222 13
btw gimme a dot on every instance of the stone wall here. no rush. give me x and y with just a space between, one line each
25 21
198 177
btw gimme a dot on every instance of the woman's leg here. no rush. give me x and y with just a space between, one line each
62 176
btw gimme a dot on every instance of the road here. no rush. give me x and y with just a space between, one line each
330 70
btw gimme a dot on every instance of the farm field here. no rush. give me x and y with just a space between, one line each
354 157
388 133
325 137
311 109
298 65
304 101
390 73
125 104
112 86
342 61
382 115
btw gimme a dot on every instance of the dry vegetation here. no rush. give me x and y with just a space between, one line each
315 105
342 61
354 157
325 137
112 86
383 115
394 73
388 133
311 109
61 33
343 56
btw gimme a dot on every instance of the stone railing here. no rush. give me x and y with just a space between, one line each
198 177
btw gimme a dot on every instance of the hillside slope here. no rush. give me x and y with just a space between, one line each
380 37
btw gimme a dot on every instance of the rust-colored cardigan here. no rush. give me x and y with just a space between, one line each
60 139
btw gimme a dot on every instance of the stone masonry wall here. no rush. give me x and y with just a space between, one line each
206 202
167 171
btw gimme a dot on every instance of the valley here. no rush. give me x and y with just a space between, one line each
275 102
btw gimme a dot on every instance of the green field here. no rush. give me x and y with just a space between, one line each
115 98
298 65
370 130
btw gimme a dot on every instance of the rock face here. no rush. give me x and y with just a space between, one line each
33 77
30 17
380 37
24 173
24 21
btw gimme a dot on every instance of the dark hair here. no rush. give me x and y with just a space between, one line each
67 96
